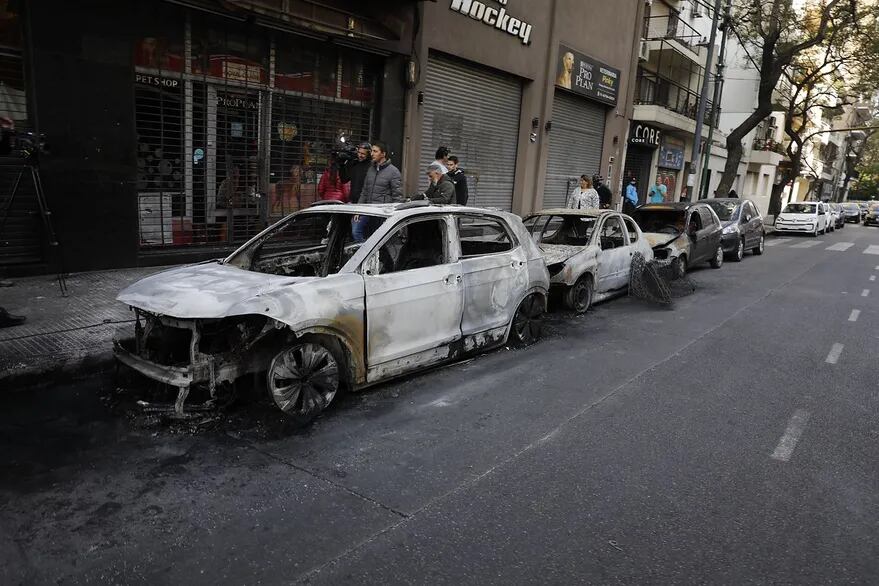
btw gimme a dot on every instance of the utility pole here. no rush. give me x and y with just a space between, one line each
718 96
703 102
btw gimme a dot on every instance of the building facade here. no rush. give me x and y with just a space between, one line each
529 95
179 129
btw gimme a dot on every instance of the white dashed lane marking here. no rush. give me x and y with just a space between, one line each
776 241
835 353
788 442
865 292
855 314
808 244
841 246
872 249
872 277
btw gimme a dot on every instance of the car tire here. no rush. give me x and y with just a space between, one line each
717 261
579 296
739 253
527 326
305 376
761 246
679 267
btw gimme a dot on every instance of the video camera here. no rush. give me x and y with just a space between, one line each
344 153
28 145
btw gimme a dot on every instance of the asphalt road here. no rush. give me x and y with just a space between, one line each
732 439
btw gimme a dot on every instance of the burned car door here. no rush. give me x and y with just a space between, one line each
615 258
414 298
495 273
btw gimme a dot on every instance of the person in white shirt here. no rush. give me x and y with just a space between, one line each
584 196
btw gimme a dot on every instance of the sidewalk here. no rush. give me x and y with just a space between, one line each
63 336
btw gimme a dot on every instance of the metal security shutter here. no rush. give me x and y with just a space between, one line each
574 146
475 113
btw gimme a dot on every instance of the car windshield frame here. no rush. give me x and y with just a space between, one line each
337 244
800 207
568 221
677 215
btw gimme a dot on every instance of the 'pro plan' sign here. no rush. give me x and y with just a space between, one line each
494 17
587 76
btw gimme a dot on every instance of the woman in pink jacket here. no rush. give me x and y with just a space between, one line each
331 186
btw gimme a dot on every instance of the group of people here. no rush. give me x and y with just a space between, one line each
591 193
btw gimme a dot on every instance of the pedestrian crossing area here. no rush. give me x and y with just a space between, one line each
802 243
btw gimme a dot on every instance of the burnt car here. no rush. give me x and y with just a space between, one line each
682 234
588 252
742 226
318 311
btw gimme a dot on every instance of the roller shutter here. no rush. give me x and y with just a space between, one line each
475 112
574 146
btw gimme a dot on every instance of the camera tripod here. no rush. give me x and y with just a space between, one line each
31 164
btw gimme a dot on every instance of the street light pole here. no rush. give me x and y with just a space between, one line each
718 96
703 102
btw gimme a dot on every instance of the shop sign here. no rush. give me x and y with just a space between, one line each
644 134
494 17
156 81
671 157
587 76
242 72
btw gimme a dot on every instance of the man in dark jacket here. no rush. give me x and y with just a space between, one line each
355 170
604 194
460 180
441 190
383 184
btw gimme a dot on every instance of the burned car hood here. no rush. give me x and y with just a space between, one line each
208 290
556 253
658 239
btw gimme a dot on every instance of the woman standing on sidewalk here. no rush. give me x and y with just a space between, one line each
331 186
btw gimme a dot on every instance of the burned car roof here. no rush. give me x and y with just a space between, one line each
589 212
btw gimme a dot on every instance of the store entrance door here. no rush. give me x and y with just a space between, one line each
235 155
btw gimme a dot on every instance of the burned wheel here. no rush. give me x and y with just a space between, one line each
579 296
528 321
303 379
679 267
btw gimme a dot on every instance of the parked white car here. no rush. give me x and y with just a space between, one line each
318 311
808 217
588 252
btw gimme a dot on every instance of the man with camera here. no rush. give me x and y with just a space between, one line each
355 170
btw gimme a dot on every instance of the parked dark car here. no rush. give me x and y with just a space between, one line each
872 216
838 216
682 234
742 226
851 212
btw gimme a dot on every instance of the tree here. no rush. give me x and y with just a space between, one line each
776 33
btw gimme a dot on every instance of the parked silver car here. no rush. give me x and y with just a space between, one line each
318 311
588 252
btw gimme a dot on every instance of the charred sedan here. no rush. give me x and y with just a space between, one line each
588 252
318 311
682 234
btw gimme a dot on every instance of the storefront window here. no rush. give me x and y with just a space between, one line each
232 55
13 100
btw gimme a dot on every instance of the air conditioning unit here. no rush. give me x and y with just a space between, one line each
644 51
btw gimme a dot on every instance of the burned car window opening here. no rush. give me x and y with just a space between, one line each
612 234
661 221
483 236
569 230
415 245
308 245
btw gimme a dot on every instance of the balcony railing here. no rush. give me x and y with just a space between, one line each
656 90
767 144
670 27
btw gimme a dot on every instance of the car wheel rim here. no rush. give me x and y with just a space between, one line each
582 296
718 256
529 318
304 379
762 238
740 252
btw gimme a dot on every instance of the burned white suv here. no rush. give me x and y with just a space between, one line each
319 311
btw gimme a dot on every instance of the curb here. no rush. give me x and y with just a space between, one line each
59 371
